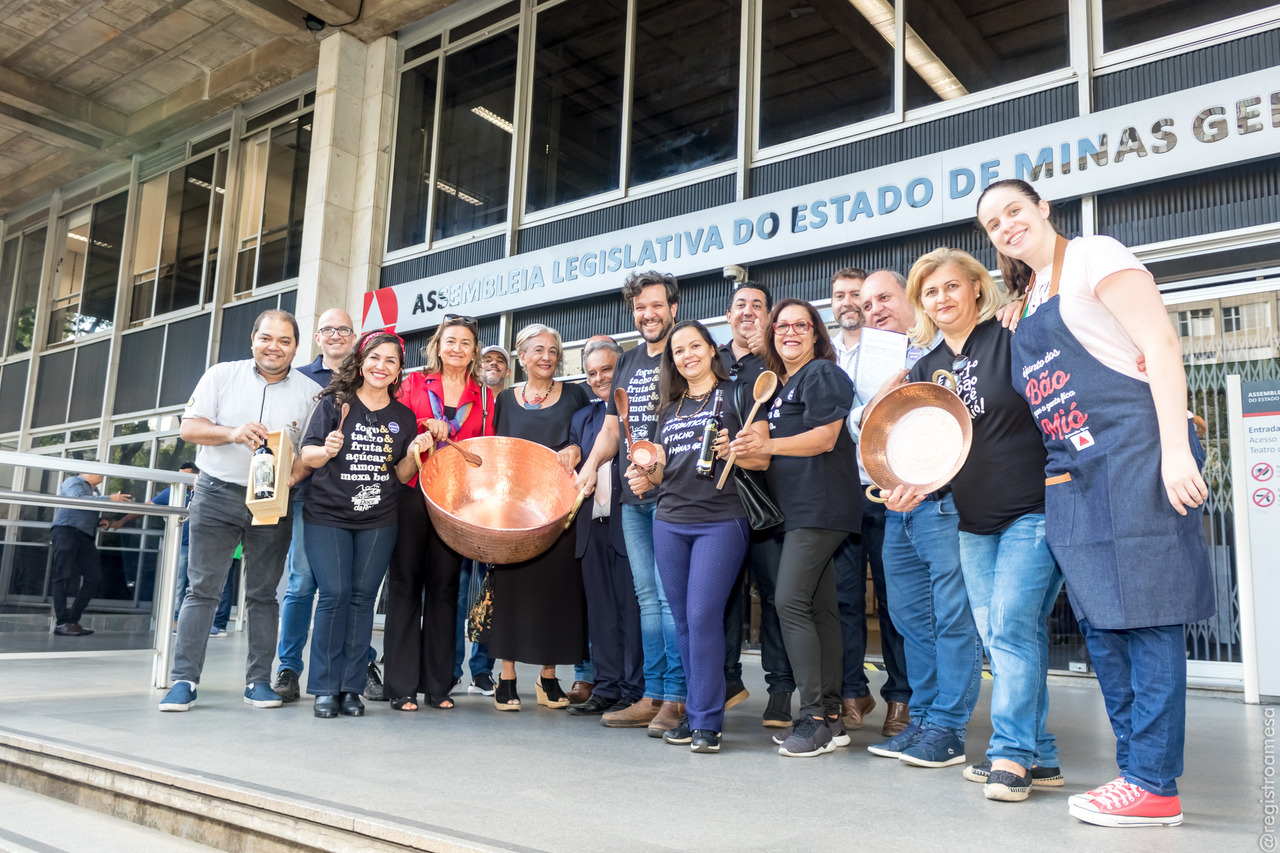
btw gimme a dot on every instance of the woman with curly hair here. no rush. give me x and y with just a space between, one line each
450 401
359 434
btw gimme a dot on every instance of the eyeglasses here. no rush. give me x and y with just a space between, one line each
470 321
339 331
800 327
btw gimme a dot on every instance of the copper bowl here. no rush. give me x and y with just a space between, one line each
917 435
510 509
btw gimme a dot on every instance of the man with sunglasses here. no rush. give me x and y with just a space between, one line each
336 337
854 554
748 318
924 583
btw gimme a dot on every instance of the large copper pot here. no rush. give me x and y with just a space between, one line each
510 509
916 435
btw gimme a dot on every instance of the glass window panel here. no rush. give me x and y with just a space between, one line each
824 64
421 49
251 191
411 171
685 103
284 201
69 278
1129 22
215 222
8 265
146 246
186 236
964 46
27 287
475 136
102 269
576 117
481 22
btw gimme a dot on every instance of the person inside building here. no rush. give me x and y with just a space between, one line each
494 371
613 615
1122 483
77 570
351 511
653 299
336 338
808 456
855 555
1011 578
743 358
539 606
449 401
234 407
700 533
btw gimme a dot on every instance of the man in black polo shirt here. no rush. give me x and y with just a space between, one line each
748 317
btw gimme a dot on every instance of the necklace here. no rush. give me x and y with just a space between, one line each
537 401
702 398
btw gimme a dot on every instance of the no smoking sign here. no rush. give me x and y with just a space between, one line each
1262 471
1264 497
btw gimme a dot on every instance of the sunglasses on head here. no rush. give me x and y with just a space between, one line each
469 321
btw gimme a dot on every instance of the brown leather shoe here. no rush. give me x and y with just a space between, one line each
580 692
853 710
668 718
635 716
896 718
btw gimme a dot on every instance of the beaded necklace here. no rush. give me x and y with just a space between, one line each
536 402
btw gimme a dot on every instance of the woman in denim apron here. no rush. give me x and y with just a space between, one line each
1122 483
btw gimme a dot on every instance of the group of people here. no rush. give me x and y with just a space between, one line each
1083 465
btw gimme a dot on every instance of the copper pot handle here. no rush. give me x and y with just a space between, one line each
873 497
577 504
417 455
948 380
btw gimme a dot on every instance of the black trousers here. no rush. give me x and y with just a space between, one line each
76 570
422 605
810 617
613 618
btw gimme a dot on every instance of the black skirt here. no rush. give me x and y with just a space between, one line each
540 608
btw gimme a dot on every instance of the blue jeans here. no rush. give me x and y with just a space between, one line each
663 671
480 660
586 670
930 608
299 598
1143 676
1013 583
349 565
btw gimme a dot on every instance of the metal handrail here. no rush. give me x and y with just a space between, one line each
175 514
83 466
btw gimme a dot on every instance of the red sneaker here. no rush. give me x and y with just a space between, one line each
1087 796
1122 804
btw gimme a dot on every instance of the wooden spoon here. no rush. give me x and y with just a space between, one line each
346 410
766 384
471 459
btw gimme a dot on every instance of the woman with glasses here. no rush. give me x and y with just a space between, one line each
1011 578
540 606
808 457
700 533
449 401
350 512
1122 483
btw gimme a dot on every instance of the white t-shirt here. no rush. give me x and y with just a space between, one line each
1087 262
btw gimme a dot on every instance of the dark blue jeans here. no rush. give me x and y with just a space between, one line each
1143 676
348 566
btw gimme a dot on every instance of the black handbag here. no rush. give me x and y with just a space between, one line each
480 619
762 512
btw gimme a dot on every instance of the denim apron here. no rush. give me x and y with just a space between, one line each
1129 559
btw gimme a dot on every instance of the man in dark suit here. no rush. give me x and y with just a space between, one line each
613 614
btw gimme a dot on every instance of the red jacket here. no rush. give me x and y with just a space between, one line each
479 421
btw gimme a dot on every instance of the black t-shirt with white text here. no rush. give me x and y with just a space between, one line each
357 488
815 491
636 371
683 497
1003 476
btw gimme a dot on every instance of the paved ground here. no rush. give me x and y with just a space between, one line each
541 780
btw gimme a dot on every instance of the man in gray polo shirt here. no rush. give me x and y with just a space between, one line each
235 405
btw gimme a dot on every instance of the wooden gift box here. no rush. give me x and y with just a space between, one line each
271 510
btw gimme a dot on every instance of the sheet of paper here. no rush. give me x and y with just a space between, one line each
880 355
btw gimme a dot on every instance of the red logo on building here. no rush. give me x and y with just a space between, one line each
381 310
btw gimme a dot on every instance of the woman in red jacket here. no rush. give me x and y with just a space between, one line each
450 401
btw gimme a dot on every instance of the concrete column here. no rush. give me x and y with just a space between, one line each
351 132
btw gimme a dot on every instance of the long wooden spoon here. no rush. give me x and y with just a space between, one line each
470 458
346 410
766 384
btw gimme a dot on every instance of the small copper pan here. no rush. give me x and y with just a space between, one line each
917 435
511 509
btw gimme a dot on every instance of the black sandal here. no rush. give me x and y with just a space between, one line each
438 702
404 703
504 697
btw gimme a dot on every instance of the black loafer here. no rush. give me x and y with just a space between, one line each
593 707
351 705
326 707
